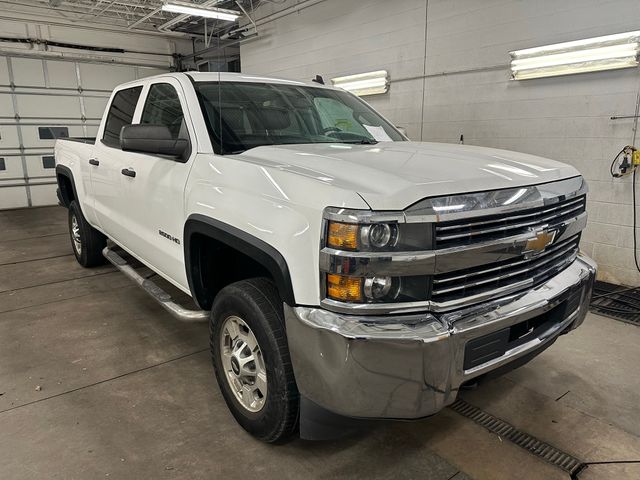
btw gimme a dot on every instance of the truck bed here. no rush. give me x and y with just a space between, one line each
90 140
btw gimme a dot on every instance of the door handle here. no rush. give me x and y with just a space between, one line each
128 172
94 161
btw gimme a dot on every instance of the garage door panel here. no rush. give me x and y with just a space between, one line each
62 74
105 77
8 137
13 197
92 131
149 72
31 138
12 168
48 106
28 72
6 105
40 166
94 107
47 98
4 72
43 195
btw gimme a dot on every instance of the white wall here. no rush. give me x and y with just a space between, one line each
466 89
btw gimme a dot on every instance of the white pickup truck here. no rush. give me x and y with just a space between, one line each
346 272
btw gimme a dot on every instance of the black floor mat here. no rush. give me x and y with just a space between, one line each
617 302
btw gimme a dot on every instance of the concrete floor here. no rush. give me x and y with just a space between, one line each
96 381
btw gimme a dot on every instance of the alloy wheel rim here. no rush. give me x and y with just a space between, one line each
75 235
243 364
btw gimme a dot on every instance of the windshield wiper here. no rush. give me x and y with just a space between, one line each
364 141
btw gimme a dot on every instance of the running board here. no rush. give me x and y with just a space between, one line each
157 293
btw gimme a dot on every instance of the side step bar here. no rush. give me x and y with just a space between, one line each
157 293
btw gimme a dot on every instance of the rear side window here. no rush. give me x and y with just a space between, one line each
120 114
163 108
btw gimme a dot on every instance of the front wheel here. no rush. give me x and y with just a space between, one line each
251 359
86 241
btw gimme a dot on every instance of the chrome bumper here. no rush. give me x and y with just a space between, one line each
412 366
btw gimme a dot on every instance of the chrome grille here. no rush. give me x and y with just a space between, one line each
467 232
503 277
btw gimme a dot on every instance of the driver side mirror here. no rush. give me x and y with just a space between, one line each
154 139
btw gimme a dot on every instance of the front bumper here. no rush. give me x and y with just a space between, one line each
412 366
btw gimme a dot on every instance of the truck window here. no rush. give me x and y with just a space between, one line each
245 115
162 107
335 114
120 114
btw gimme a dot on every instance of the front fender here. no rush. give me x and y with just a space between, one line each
281 209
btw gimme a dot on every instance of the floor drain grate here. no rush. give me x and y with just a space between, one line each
549 453
617 302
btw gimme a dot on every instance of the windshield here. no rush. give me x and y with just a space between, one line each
243 115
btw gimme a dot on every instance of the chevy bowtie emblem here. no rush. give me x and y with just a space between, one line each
542 240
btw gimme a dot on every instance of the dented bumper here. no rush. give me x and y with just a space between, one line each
412 366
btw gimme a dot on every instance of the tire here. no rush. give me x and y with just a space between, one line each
256 303
87 243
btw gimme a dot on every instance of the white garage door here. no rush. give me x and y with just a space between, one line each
39 101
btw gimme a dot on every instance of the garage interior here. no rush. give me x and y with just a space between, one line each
98 381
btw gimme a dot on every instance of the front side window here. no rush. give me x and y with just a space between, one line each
120 114
162 107
243 115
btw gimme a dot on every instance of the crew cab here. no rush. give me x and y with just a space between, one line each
345 271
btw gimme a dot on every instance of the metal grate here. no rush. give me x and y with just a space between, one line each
548 453
617 302
458 233
526 272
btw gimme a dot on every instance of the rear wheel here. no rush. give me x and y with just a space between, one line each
87 242
251 359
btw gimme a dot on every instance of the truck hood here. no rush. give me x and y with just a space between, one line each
394 175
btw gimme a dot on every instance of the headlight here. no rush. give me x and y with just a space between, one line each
359 289
353 239
376 288
379 235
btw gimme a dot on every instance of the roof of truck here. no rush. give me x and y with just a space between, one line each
228 77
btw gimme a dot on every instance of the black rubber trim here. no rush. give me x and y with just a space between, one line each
245 243
63 171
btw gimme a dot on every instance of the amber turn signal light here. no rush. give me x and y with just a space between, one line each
343 288
342 235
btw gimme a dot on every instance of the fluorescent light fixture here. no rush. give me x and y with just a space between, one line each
175 6
370 83
589 55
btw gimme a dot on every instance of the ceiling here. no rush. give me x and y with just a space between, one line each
138 15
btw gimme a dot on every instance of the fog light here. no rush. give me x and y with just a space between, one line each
376 288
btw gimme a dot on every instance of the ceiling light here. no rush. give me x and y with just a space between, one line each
370 83
589 55
193 9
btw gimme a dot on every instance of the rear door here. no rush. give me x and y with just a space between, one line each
107 161
155 195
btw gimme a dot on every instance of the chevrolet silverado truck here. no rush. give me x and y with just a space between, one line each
345 271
